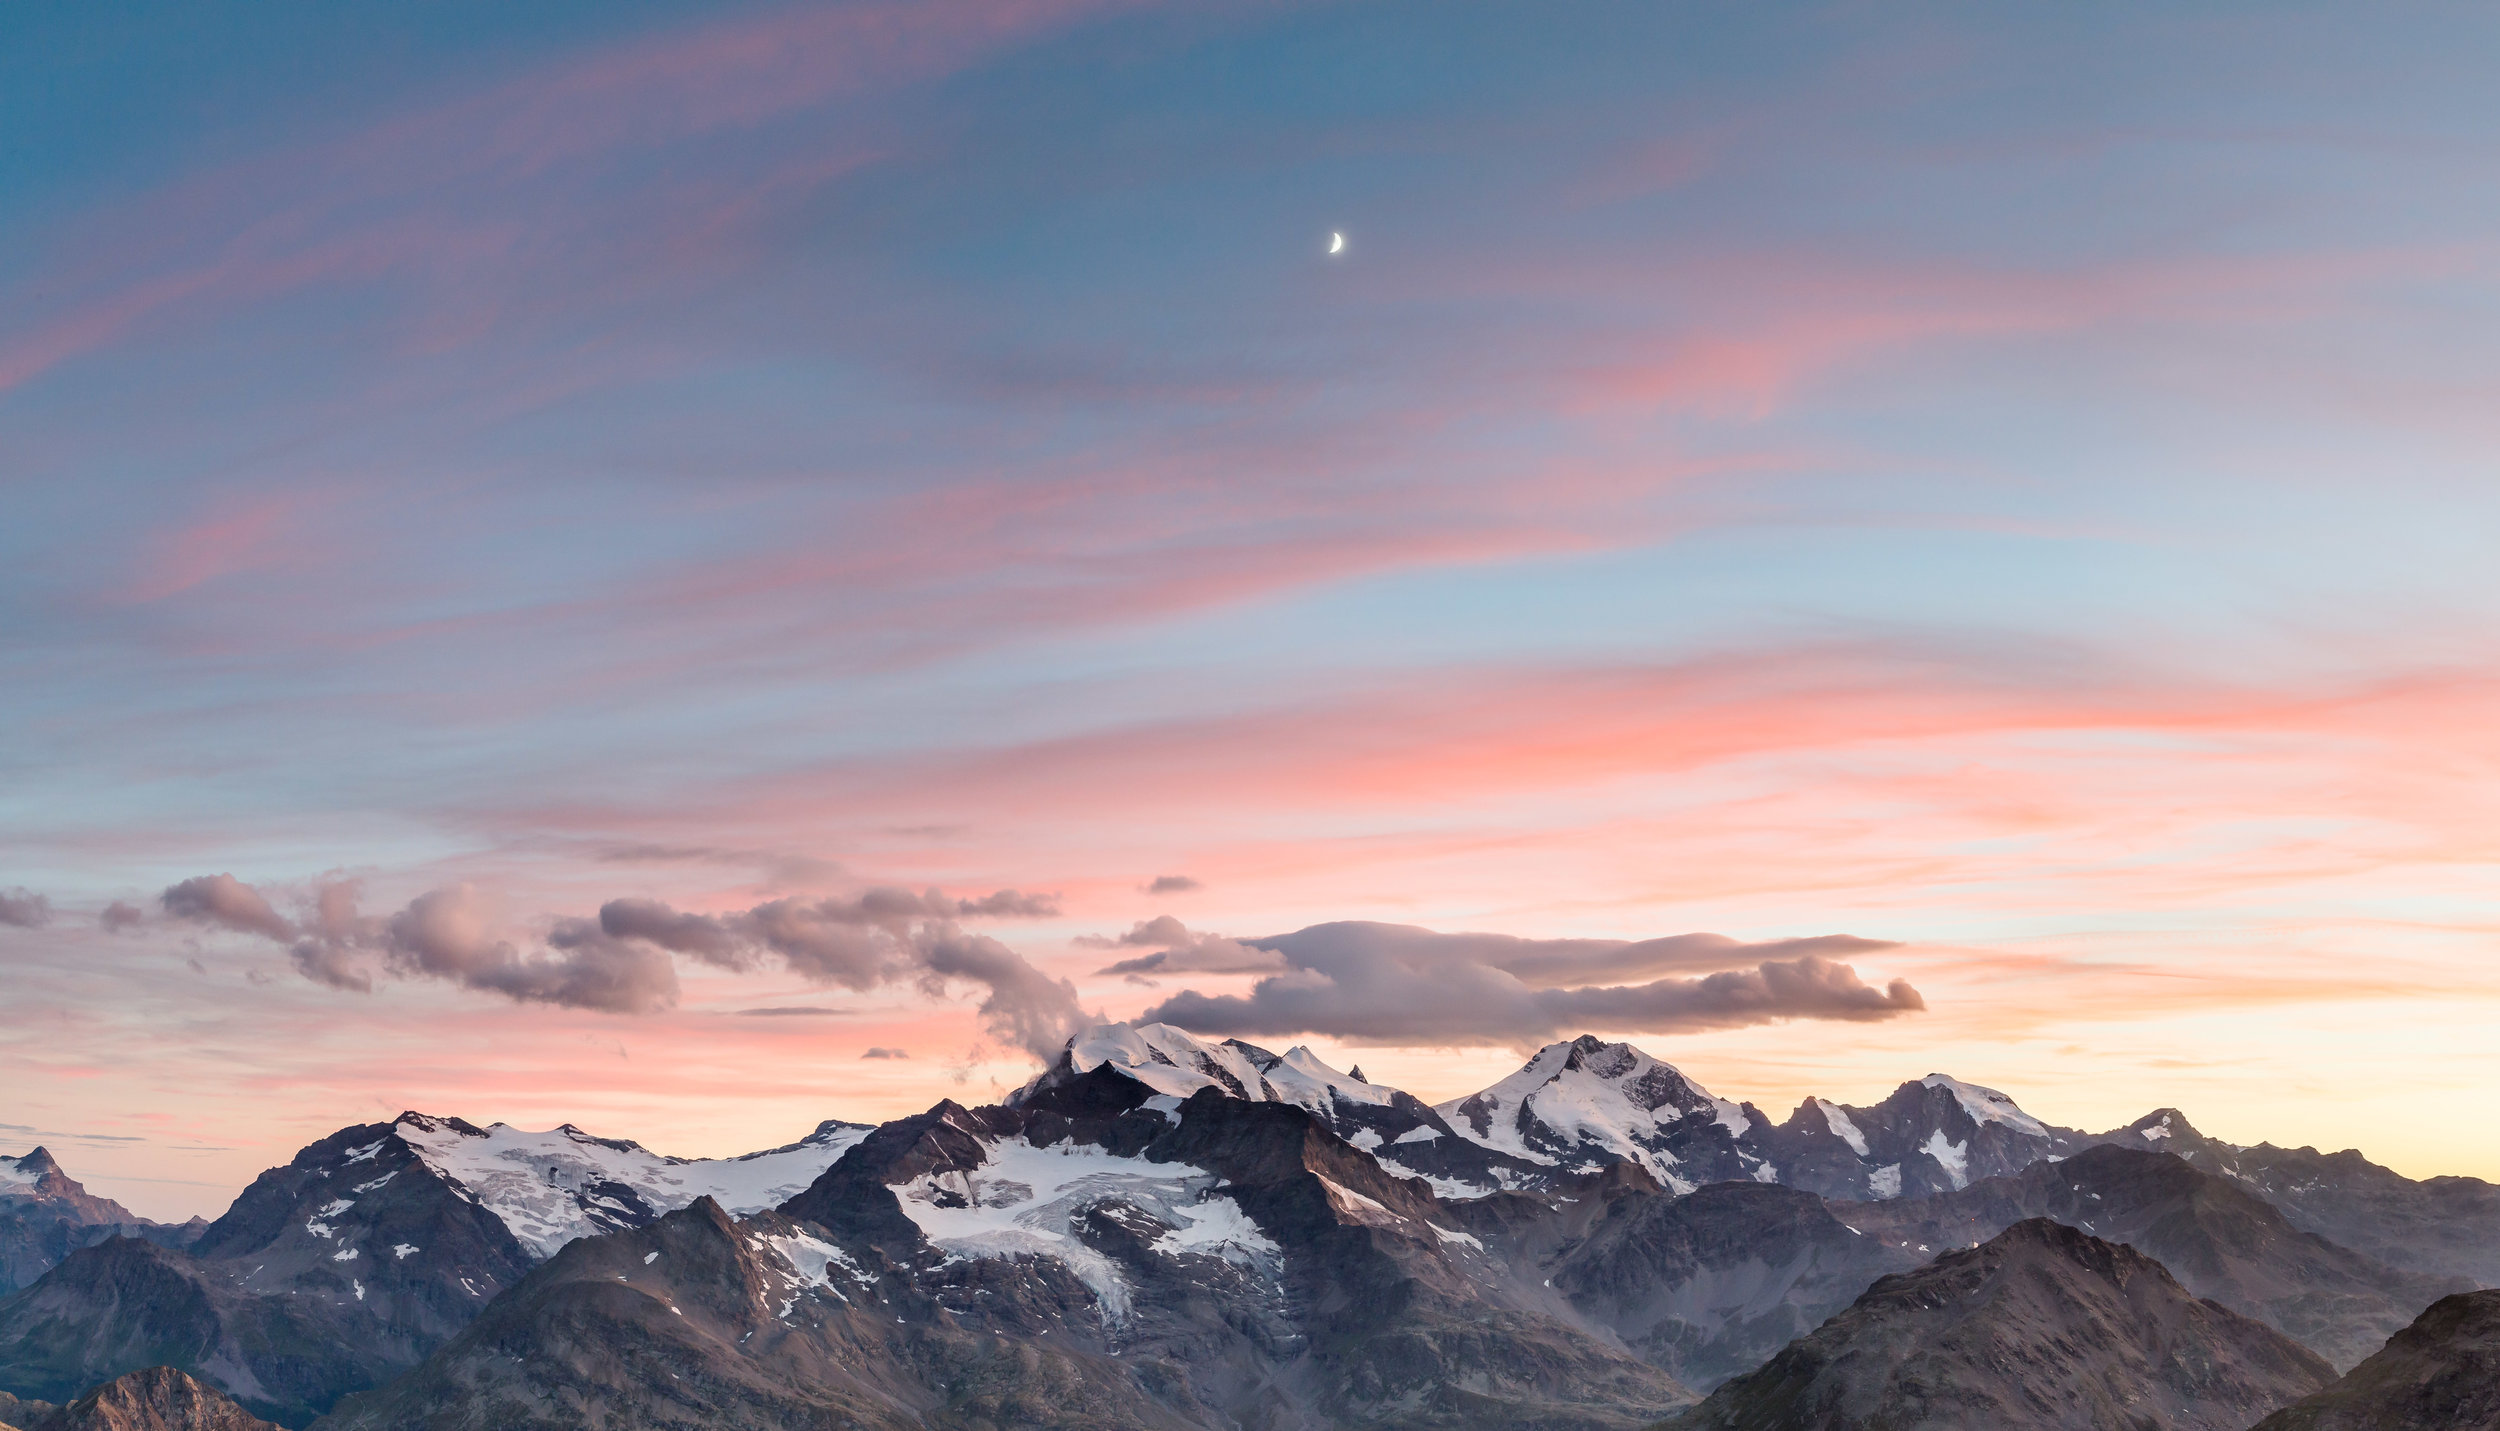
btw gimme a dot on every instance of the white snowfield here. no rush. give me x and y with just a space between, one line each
1573 1105
1022 1202
810 1262
14 1179
545 1186
1837 1119
1176 1063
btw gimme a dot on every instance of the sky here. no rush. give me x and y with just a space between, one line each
602 562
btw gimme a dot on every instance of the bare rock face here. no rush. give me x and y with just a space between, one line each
2043 1328
156 1399
1707 1285
45 1215
2440 1374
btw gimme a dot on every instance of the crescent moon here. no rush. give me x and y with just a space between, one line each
1336 243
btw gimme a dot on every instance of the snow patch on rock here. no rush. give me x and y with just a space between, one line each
1954 1158
1842 1126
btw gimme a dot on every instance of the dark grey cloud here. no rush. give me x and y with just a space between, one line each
1548 962
620 961
874 938
1399 984
691 934
331 949
877 937
24 909
338 966
1180 950
450 934
1173 884
120 915
227 903
886 1053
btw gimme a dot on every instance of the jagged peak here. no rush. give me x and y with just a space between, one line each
1173 1062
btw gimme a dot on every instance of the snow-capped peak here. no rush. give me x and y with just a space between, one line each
1986 1105
17 1175
552 1187
1588 1098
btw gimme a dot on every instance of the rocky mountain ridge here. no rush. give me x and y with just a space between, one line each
351 1263
1163 1230
152 1399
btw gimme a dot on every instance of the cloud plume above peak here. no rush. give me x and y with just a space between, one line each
1388 983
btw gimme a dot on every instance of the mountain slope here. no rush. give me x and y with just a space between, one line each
45 1215
2040 1327
2440 1374
2221 1240
1705 1285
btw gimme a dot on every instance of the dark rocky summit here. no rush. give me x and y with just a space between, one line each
2041 1327
2440 1374
153 1399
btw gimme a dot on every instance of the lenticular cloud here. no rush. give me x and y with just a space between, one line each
1389 983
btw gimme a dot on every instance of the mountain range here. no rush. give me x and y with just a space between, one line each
1160 1230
